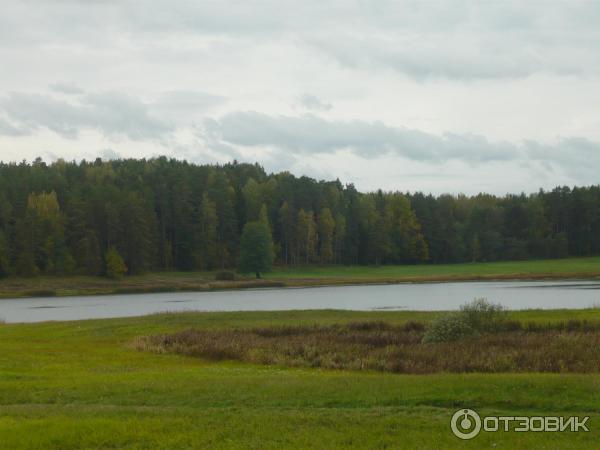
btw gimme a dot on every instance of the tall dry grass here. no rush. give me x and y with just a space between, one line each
572 346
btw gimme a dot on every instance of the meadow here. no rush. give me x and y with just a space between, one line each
45 286
541 268
84 385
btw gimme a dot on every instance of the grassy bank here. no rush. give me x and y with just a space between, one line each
544 268
83 385
303 276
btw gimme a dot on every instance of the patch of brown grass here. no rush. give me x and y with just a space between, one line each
561 347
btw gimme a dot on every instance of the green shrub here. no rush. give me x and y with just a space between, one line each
115 266
478 316
484 316
448 328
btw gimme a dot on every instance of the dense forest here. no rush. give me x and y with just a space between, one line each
165 214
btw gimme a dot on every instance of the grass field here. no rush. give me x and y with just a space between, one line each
78 385
516 269
302 276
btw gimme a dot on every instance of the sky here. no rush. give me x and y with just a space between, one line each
435 96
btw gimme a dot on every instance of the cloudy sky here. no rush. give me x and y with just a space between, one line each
437 96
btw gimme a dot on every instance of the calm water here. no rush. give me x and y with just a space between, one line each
422 297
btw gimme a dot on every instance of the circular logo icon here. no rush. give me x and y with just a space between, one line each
465 424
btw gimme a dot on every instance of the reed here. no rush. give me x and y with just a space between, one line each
571 346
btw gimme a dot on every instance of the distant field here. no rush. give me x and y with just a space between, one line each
83 385
570 266
302 276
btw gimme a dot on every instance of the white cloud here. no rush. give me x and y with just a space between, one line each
310 135
7 129
477 89
313 103
66 88
112 113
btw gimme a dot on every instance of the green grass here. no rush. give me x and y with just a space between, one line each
518 269
78 385
302 276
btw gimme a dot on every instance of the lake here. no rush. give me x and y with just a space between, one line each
417 297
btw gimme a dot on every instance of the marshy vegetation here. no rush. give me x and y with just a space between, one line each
479 338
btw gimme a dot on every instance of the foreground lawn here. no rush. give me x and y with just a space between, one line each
302 276
75 385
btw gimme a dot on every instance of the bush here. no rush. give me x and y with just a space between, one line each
448 328
478 316
225 275
115 266
484 316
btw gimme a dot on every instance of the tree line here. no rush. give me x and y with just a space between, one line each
166 214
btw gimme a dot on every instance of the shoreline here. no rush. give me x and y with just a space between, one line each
89 286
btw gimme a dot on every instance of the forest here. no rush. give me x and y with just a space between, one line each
165 214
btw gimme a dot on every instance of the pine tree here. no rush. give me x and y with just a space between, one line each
253 199
90 253
306 235
263 216
223 194
41 238
4 256
409 244
256 249
138 238
288 232
82 239
5 225
339 236
206 235
326 227
475 249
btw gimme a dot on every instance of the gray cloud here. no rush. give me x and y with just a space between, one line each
111 113
577 155
311 134
469 41
505 70
313 103
188 101
109 154
440 57
66 88
453 39
7 129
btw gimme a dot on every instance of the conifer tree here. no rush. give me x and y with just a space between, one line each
256 249
326 228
